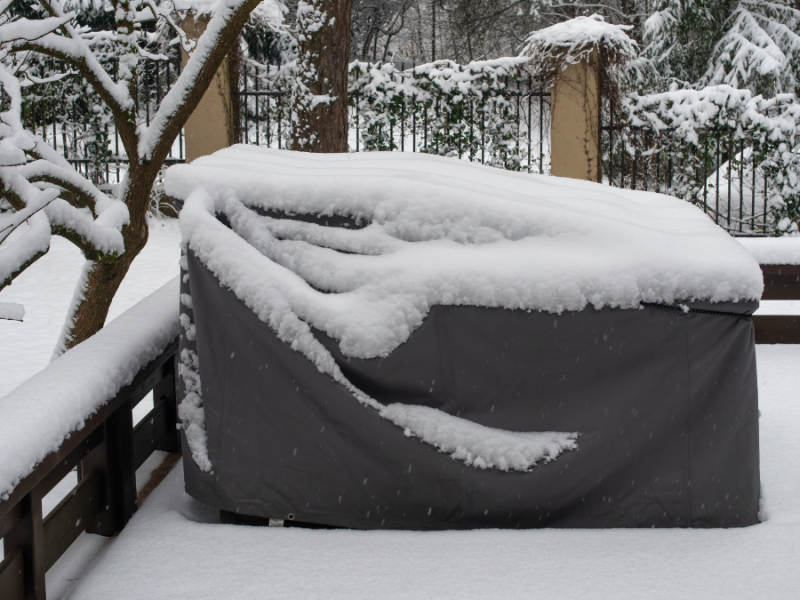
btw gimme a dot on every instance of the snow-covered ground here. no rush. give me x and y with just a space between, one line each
174 547
46 289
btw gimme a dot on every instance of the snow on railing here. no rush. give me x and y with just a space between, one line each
77 414
41 413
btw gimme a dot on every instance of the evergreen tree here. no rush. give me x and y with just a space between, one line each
747 44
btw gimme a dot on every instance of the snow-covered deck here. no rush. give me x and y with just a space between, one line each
174 547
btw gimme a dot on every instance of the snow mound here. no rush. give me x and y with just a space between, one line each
361 246
479 446
573 40
427 230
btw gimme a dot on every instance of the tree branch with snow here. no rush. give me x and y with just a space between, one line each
46 194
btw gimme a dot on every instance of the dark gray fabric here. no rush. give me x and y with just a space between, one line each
665 402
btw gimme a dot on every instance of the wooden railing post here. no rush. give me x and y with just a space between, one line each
166 391
25 540
107 451
114 460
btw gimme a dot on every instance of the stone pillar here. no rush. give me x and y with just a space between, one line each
575 122
211 125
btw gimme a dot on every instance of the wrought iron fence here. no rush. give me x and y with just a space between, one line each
266 114
725 173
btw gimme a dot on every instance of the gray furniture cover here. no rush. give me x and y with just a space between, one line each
665 401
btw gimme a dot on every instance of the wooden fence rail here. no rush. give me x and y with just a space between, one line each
106 453
781 282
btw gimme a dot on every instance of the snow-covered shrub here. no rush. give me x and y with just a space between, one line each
726 137
458 110
753 44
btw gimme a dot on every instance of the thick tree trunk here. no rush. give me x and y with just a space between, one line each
321 97
104 279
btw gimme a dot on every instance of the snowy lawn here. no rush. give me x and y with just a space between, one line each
174 547
46 289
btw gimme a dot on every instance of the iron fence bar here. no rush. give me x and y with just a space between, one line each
730 160
147 95
269 124
741 183
246 110
646 158
716 191
414 129
541 131
257 113
280 112
168 87
753 190
425 130
179 64
402 112
519 93
611 151
483 134
530 116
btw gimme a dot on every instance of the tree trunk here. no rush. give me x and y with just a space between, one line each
321 97
104 279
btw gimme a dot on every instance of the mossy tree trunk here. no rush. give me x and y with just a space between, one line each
320 102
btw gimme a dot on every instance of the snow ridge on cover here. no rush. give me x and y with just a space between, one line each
430 230
276 296
41 413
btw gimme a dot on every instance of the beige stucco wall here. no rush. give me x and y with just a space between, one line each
575 123
210 127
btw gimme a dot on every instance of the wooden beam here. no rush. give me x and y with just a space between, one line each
148 433
71 517
12 576
27 537
777 329
781 282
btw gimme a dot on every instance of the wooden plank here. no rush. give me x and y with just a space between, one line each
71 517
68 464
148 433
93 422
777 329
12 576
27 537
167 390
781 282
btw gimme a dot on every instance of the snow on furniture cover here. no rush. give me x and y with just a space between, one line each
384 340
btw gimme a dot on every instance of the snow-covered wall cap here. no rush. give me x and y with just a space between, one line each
434 230
774 251
571 42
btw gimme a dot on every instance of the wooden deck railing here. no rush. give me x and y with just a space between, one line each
107 451
781 282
